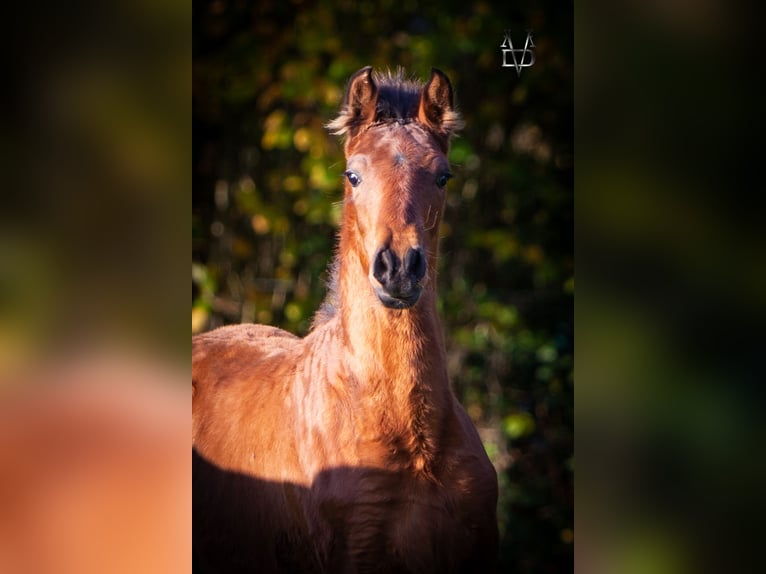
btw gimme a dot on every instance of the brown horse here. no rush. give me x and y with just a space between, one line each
346 451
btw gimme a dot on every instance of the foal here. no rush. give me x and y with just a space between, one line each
346 451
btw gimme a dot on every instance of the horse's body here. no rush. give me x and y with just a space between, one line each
346 451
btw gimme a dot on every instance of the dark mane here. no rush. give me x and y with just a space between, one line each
329 307
398 96
398 99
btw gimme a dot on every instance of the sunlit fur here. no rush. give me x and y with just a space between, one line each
346 450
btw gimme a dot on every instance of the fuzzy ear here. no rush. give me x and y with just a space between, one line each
436 109
359 104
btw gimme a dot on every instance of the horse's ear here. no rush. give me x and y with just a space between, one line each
436 109
359 104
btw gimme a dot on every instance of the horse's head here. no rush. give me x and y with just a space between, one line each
397 139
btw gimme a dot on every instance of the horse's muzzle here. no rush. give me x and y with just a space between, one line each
398 281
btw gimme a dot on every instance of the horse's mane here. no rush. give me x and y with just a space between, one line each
398 100
329 307
398 96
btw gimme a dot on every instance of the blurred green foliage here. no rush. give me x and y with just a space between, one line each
670 321
267 186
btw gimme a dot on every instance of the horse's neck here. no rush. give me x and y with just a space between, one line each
405 347
394 366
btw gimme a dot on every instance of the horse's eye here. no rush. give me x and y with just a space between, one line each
353 178
442 180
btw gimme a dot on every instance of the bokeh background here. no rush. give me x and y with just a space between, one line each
95 469
266 204
672 292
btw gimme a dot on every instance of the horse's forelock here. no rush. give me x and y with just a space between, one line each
398 99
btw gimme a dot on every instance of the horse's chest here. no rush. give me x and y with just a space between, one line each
392 522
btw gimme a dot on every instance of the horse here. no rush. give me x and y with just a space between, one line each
346 450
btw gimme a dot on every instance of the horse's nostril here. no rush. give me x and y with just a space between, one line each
399 279
415 263
385 266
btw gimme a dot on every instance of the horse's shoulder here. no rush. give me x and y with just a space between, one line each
468 452
472 478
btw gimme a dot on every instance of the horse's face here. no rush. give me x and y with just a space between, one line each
395 180
396 172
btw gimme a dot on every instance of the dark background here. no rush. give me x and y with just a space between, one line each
268 75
